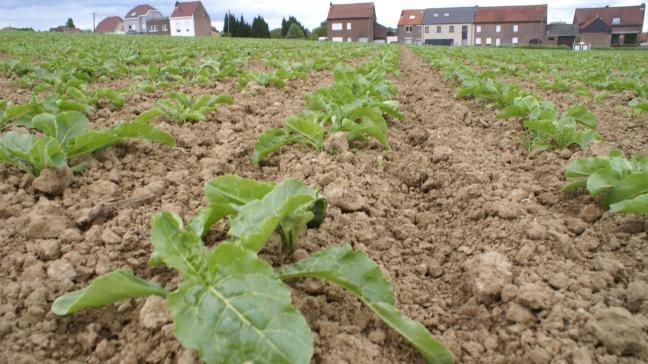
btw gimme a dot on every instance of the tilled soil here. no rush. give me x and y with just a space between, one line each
473 232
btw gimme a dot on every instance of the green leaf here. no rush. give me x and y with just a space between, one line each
63 127
235 191
89 142
178 248
628 188
637 205
269 142
357 273
241 314
105 290
141 130
602 180
582 116
206 217
307 127
258 219
147 116
31 153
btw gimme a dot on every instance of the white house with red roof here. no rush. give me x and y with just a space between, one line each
190 19
111 25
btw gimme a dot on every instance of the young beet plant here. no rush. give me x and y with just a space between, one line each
233 307
66 136
624 182
181 108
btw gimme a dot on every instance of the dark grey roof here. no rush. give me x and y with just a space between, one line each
567 30
464 15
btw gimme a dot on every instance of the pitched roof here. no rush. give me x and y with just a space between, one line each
463 15
186 9
351 11
596 25
108 25
511 14
630 15
562 30
411 17
139 10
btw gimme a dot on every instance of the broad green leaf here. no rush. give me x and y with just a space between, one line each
628 188
105 290
63 127
602 180
258 219
582 116
142 130
269 142
242 313
147 116
89 142
307 127
206 217
357 273
235 190
637 205
178 248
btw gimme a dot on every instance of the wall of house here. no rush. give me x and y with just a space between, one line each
132 25
360 29
202 23
598 40
431 32
182 27
159 26
525 34
413 37
560 40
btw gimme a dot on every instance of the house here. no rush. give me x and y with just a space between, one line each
625 23
145 19
449 26
353 23
510 25
409 26
561 34
111 25
190 19
597 33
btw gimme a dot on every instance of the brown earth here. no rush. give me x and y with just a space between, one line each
473 232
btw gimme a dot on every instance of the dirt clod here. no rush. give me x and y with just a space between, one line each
621 332
489 273
53 181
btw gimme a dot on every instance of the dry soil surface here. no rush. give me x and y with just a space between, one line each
473 232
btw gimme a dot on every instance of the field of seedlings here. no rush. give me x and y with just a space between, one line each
225 200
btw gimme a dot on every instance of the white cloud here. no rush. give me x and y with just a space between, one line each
43 14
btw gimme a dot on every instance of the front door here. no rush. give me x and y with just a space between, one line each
464 35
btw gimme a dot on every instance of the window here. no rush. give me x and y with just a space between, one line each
452 29
436 15
130 27
338 39
616 20
408 29
515 40
348 26
412 17
497 42
187 26
439 29
550 38
479 29
349 39
489 41
478 41
427 29
515 28
446 14
498 28
336 26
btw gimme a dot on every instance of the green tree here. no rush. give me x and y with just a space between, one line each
69 23
260 28
295 32
285 25
275 33
320 31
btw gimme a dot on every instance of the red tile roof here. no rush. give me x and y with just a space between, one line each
351 11
109 25
139 10
411 17
511 14
630 15
186 9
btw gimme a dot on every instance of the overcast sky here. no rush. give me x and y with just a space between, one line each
44 14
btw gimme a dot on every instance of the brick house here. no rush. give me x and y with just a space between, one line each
353 23
562 34
190 19
111 25
597 33
409 26
449 26
625 23
510 25
145 19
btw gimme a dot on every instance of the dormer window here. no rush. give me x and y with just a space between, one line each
446 14
436 15
616 20
133 13
412 17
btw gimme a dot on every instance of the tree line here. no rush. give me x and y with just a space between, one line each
291 28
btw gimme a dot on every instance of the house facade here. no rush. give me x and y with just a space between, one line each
409 29
145 19
449 26
110 25
561 34
510 25
190 19
352 23
597 33
625 24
